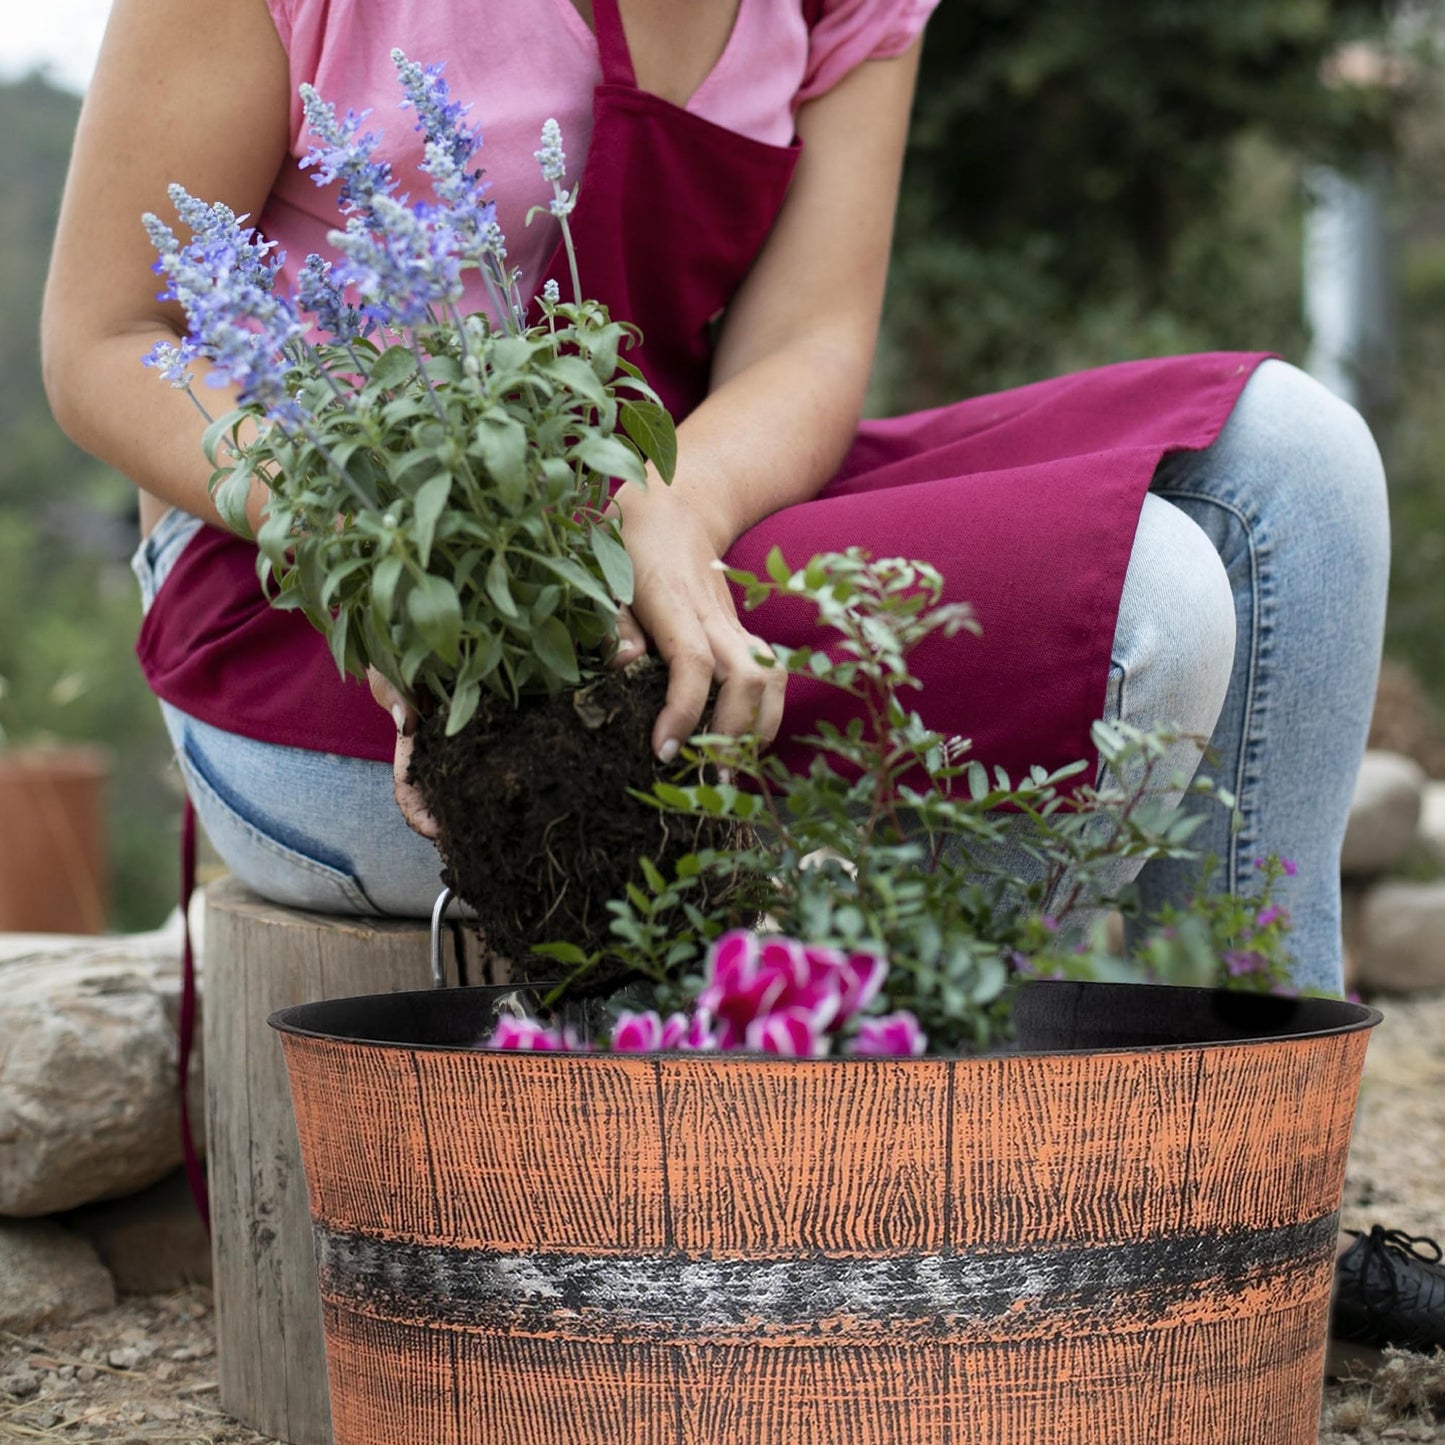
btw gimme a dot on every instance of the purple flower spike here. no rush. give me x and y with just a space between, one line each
892 1036
530 1036
317 293
173 362
224 279
341 151
439 117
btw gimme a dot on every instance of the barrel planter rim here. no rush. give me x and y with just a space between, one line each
1355 1018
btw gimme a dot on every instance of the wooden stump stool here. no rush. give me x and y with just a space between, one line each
260 957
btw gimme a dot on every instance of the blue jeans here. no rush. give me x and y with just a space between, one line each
1253 611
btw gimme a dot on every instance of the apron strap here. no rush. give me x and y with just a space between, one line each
612 44
195 1170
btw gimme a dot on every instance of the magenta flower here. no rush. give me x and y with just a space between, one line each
893 1035
649 1033
1273 914
753 979
1287 865
790 1033
529 1035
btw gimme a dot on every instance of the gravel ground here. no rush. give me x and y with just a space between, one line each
144 1373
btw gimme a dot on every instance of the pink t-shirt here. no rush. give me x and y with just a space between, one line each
519 62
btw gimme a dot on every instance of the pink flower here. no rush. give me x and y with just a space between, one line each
863 975
893 1035
528 1034
649 1033
751 978
789 1033
1269 915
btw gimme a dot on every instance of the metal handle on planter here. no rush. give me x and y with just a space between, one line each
438 915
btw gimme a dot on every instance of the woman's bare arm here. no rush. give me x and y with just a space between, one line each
788 384
194 91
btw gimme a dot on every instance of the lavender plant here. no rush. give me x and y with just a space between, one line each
895 844
438 483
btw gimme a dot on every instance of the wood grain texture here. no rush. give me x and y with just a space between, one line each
1110 1248
766 1158
1097 1147
514 1151
258 958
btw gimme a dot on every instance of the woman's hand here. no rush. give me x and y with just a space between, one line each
681 601
408 798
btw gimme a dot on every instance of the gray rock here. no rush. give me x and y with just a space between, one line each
48 1276
152 1242
1432 821
1385 814
1402 937
89 1105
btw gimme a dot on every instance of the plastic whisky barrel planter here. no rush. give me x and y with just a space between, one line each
1121 1234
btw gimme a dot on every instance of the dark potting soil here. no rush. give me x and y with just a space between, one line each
538 828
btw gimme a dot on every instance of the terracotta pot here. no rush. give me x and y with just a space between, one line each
54 876
1122 1235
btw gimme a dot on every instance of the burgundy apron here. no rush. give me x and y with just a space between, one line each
1026 501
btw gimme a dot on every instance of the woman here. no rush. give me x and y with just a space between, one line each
1197 541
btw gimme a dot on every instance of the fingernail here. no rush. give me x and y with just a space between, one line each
725 777
668 751
398 713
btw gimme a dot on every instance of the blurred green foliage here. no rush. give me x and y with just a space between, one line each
68 604
1412 430
1091 183
1084 184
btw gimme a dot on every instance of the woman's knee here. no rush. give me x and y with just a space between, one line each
1307 471
1174 642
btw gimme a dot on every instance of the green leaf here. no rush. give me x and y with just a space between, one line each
612 558
651 428
553 646
430 503
576 376
383 587
603 354
337 575
576 577
437 611
544 604
218 431
567 953
336 638
499 586
501 443
394 366
777 567
231 494
610 457
463 705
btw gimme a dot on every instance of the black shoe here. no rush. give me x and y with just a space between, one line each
1390 1290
